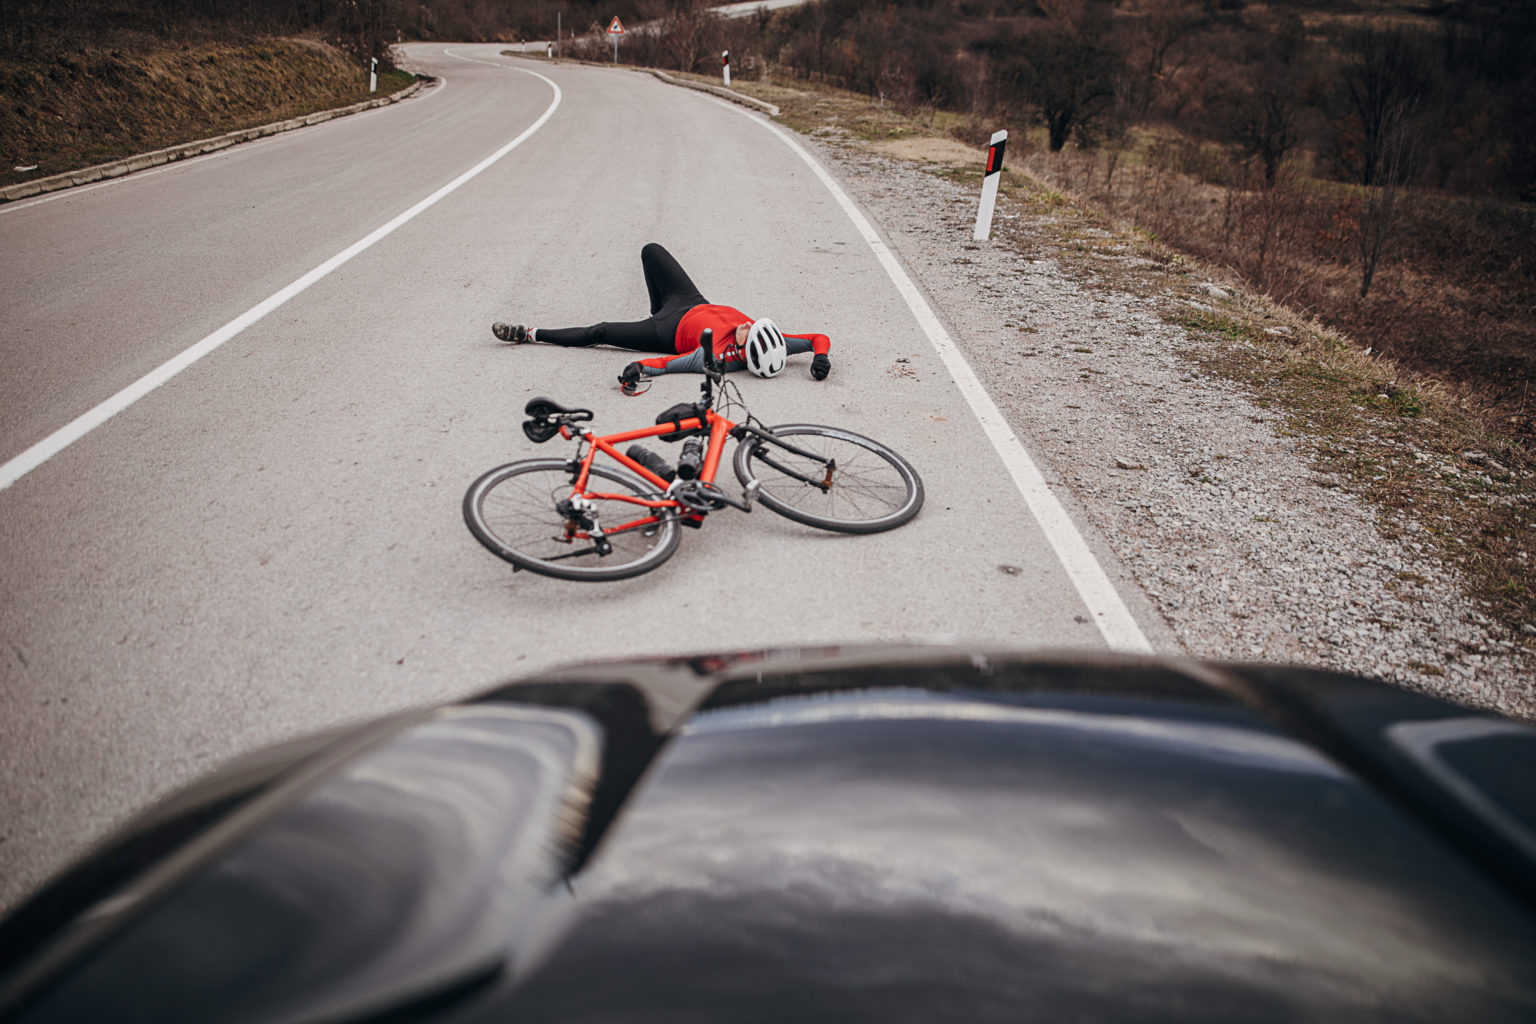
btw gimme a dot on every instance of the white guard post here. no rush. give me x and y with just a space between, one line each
373 75
725 64
989 185
615 29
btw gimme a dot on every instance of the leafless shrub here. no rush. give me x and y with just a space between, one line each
1385 200
1381 84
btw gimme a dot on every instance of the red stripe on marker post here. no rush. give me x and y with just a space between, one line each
989 185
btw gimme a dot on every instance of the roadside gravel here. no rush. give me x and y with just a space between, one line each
1246 551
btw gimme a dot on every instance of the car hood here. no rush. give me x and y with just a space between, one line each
852 833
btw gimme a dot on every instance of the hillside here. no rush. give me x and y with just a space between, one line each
80 107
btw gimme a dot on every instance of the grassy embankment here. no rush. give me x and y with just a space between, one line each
77 109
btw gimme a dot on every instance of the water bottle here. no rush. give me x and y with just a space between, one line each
691 461
651 461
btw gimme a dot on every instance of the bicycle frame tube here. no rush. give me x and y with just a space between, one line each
606 444
719 429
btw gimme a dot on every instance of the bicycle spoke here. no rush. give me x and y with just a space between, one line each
515 511
871 489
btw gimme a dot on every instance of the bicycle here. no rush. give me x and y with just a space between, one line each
546 516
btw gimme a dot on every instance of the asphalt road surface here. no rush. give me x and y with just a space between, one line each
266 538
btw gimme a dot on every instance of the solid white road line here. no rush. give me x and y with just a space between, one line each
1115 622
67 435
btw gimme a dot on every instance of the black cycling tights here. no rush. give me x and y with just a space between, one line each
672 295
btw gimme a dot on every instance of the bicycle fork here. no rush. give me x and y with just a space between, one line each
823 485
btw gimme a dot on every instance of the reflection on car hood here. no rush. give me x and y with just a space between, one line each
853 834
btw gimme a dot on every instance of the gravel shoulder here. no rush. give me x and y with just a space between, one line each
1243 542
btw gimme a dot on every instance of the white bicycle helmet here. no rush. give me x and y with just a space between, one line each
765 351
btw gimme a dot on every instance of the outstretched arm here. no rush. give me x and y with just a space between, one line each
693 362
688 362
820 344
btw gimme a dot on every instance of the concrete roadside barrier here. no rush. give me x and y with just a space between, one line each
735 97
154 158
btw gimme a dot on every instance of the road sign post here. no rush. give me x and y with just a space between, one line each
989 185
615 29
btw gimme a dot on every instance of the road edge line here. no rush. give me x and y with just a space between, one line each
1114 620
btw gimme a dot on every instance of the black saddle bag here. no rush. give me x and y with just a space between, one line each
675 416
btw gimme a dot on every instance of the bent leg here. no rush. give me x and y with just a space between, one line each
666 281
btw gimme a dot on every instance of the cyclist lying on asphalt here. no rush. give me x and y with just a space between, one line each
679 315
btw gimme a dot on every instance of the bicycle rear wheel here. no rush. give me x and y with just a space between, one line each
856 485
512 511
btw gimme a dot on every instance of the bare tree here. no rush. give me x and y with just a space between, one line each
690 34
1382 206
1157 27
1262 121
1067 67
1381 84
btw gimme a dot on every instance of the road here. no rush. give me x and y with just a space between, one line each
750 7
269 541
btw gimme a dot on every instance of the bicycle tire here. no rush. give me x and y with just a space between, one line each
511 510
874 489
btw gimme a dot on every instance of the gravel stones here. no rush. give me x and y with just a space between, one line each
1246 552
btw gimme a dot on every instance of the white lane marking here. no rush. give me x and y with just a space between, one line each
176 165
1115 622
476 60
68 434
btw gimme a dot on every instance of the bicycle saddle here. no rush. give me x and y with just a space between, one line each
544 408
547 417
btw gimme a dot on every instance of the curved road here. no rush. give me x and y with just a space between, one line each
269 540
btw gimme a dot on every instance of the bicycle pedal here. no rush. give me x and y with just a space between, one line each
693 522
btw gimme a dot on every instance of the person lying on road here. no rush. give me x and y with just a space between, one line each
679 315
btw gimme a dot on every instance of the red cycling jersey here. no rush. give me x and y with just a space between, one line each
723 320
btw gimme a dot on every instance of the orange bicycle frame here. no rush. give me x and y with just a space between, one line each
719 429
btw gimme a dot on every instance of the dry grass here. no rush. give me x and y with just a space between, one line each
91 106
1400 440
1452 302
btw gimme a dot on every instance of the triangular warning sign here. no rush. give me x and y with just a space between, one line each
615 29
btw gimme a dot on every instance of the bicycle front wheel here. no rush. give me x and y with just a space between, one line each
514 510
829 478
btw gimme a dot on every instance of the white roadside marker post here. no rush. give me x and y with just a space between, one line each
725 63
989 185
373 75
